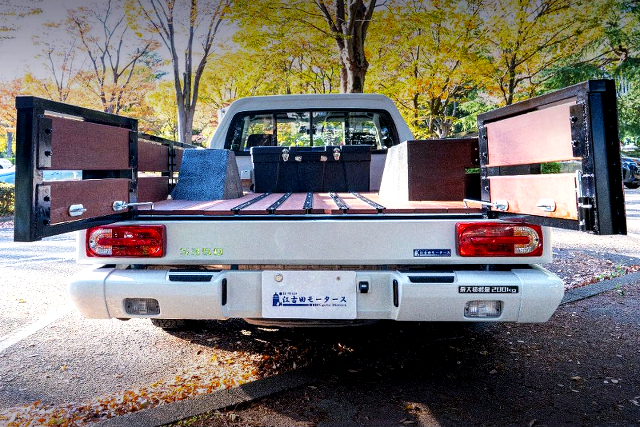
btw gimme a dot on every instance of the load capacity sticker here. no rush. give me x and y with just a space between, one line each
488 289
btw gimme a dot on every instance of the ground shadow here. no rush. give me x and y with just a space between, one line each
580 368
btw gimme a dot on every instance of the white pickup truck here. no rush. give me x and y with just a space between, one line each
322 209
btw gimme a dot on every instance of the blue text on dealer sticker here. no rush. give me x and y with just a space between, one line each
309 294
431 253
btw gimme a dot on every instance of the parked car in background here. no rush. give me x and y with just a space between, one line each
9 176
5 164
630 172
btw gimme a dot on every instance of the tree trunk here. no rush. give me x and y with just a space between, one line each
416 110
344 77
187 83
443 128
349 26
185 124
355 78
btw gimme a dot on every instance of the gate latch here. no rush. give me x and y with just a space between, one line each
121 205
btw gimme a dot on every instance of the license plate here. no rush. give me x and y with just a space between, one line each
309 294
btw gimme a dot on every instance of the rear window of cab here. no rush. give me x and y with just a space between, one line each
310 129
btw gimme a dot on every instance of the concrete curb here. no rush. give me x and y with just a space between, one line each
599 287
176 411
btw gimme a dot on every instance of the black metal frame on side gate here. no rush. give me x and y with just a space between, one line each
594 131
33 130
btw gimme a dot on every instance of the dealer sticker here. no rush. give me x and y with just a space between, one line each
431 253
488 289
309 294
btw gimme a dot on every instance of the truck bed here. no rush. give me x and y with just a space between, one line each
307 204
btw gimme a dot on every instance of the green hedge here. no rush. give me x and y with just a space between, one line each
7 199
553 167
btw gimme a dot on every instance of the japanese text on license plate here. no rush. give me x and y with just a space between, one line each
309 294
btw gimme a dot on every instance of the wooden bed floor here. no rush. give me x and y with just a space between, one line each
305 203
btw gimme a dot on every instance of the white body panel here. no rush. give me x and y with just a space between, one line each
327 244
313 242
101 294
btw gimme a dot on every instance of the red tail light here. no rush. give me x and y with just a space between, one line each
498 239
141 241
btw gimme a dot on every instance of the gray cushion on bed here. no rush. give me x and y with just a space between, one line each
208 175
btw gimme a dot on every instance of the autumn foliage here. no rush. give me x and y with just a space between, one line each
441 61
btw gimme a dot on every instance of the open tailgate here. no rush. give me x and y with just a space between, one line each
572 132
103 150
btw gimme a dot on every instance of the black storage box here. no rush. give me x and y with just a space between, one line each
318 169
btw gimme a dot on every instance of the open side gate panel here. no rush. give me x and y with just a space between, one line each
102 150
555 160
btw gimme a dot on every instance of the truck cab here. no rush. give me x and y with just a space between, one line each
311 121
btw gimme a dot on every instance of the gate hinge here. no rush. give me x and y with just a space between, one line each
585 204
45 133
577 121
133 149
43 207
586 213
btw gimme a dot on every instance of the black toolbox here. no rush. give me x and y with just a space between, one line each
319 169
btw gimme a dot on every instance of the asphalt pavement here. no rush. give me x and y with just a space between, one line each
51 353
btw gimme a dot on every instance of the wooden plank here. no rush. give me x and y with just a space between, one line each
178 158
392 205
451 207
260 207
357 206
95 195
415 170
293 205
524 192
225 206
152 157
436 168
153 188
536 137
323 203
88 146
180 207
378 207
395 206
